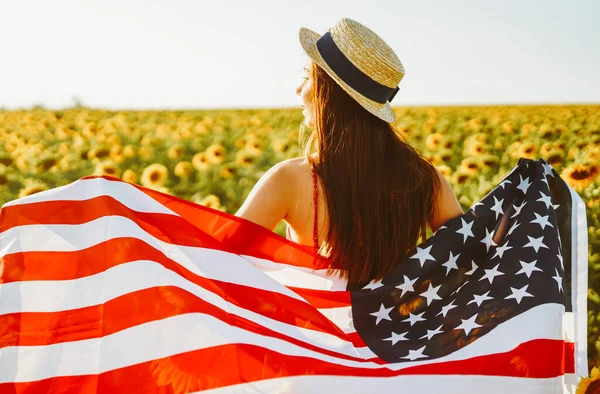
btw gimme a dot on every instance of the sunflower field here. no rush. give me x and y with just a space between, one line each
214 158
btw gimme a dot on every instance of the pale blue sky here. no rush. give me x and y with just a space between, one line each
130 54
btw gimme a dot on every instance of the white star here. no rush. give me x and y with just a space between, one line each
382 313
407 285
545 199
468 324
518 209
501 249
558 280
422 255
497 207
556 206
561 259
474 205
415 354
473 268
460 287
536 243
546 182
478 299
397 337
443 227
446 308
451 263
412 319
465 230
431 294
548 169
524 184
373 285
502 184
514 226
519 294
528 268
541 220
431 333
488 240
491 274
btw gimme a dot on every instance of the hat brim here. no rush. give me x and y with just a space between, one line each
308 40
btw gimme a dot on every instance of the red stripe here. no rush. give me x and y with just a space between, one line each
129 310
227 232
234 364
98 258
324 298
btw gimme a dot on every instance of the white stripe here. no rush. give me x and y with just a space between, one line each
85 189
579 280
341 316
300 277
138 275
206 262
447 384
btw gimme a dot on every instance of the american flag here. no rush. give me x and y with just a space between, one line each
107 286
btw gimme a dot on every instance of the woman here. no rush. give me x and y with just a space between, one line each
374 194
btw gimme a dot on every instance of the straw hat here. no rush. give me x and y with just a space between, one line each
360 62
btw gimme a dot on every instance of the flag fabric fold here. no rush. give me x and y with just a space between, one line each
107 286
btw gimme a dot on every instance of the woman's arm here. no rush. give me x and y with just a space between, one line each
268 202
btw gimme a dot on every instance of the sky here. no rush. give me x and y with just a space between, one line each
197 54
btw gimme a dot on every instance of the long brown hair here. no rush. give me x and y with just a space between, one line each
379 191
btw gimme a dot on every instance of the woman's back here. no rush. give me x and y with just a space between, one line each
300 219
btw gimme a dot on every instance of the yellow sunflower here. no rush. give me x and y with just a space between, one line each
508 127
527 150
23 162
216 153
129 176
546 148
254 146
244 158
183 169
201 129
474 149
433 141
32 186
580 175
106 168
441 157
470 166
113 139
554 157
98 153
200 162
590 385
155 174
488 161
460 176
281 145
211 201
228 172
146 153
176 151
592 152
129 150
46 164
445 170
63 148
